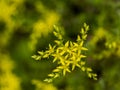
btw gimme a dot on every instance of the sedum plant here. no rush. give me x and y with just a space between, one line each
67 54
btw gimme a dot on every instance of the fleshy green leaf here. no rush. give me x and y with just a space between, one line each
56 28
51 75
83 68
89 69
82 31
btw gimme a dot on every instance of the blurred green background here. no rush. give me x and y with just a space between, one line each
26 26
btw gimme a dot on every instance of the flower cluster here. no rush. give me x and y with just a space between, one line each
68 55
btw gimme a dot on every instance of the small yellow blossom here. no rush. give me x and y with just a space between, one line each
67 55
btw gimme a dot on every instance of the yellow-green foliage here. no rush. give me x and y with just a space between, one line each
7 9
8 80
68 55
43 86
111 44
39 27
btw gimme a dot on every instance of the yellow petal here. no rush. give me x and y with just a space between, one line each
82 56
89 69
67 44
56 70
83 68
83 48
51 75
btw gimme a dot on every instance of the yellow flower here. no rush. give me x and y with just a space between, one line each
57 56
65 48
68 55
51 49
75 62
65 68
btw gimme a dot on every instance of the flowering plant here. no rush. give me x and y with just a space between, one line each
68 55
